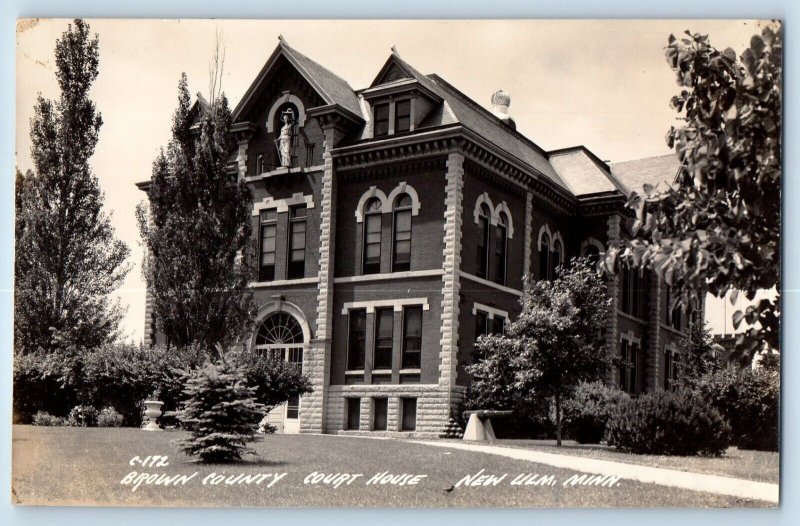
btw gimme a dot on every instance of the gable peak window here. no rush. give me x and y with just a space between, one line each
373 214
401 235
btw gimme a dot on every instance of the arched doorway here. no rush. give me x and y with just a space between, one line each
281 336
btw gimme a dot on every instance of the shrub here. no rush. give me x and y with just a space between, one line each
42 418
220 412
274 380
83 416
39 386
750 401
669 423
587 411
109 417
113 375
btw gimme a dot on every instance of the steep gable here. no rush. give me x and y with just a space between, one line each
332 89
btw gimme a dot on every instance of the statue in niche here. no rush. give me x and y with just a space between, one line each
284 141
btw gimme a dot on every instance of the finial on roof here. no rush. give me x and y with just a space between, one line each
281 39
394 50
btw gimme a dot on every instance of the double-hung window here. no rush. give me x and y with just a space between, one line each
412 337
402 116
371 263
401 254
357 339
381 116
268 238
297 243
384 328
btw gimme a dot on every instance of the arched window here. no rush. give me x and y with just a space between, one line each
501 248
401 235
592 253
544 257
371 258
280 337
482 267
555 257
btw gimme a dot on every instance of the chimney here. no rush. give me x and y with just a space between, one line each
500 103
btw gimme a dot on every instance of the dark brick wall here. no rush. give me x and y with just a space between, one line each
283 187
474 186
430 288
472 292
427 228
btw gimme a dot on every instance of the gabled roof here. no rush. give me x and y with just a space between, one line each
458 108
660 170
333 89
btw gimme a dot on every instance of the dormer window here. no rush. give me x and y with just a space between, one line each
381 115
402 116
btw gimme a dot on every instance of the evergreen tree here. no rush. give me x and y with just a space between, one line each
67 258
221 413
198 259
554 344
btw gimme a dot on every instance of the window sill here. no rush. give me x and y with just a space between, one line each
381 371
390 275
410 371
283 282
282 171
631 317
354 372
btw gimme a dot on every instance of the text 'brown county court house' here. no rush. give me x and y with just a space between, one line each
395 224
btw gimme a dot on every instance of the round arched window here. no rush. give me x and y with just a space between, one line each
279 329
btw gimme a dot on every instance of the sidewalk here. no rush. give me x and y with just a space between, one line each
666 477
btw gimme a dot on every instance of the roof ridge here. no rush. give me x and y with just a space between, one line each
483 111
291 50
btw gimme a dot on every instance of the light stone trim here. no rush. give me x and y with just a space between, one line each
397 304
366 196
486 282
283 204
630 337
654 333
282 306
612 286
526 264
283 283
390 275
433 408
495 211
490 311
554 236
404 188
451 284
283 99
387 202
591 241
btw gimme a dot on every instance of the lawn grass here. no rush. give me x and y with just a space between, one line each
84 466
761 466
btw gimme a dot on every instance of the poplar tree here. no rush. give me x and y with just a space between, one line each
68 260
196 231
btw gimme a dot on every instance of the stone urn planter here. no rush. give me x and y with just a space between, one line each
151 415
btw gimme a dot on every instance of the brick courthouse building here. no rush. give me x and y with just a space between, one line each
401 229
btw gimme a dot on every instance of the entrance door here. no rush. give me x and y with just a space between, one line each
280 337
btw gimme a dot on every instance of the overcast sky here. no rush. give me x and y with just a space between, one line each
603 84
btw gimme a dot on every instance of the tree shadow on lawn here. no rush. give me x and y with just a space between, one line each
256 462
